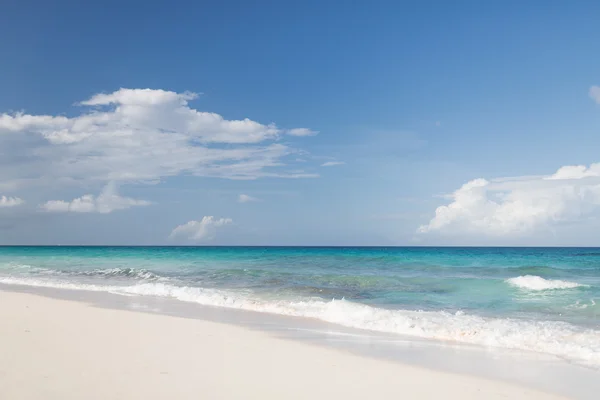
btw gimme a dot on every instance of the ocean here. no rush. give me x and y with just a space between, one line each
543 300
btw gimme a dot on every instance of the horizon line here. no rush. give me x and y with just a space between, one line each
298 246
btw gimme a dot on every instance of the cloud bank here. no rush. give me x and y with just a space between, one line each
513 206
107 202
139 135
202 230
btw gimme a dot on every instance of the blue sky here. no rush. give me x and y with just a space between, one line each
412 100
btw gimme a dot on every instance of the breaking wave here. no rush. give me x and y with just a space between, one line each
533 282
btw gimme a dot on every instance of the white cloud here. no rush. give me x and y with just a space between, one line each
244 198
204 229
138 135
595 93
301 132
10 201
512 206
332 163
107 202
576 172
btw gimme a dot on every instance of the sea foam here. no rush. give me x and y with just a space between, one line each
533 282
556 338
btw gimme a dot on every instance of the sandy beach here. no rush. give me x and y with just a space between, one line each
56 349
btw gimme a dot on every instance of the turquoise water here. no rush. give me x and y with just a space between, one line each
538 299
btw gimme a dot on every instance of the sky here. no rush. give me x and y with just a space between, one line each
300 123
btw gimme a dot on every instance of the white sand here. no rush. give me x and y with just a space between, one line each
55 349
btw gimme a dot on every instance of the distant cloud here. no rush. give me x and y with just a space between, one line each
301 132
244 198
332 163
107 202
10 201
520 205
204 229
595 93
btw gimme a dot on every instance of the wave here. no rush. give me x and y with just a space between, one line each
56 284
579 305
533 282
556 338
135 273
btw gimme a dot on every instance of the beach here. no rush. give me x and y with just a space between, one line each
299 200
57 349
540 301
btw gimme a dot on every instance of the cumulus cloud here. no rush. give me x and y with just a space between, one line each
204 229
10 201
107 202
332 163
244 198
576 172
139 135
301 132
512 206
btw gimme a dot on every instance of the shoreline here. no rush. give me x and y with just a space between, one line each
349 364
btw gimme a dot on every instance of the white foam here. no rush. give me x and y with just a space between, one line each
556 338
56 284
533 282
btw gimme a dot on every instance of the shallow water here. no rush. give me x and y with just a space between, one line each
538 299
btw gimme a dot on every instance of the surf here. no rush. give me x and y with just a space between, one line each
537 283
561 339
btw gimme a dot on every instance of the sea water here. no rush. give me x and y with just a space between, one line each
545 300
